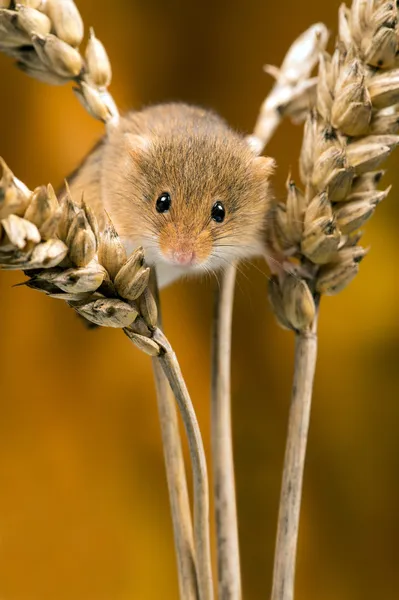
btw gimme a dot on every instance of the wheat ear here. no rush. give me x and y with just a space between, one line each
290 96
44 36
349 133
60 246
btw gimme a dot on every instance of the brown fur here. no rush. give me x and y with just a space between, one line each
194 156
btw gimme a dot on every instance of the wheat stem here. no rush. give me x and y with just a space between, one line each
175 476
229 577
171 368
291 85
177 486
55 59
351 130
294 462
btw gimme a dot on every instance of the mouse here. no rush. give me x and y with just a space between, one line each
180 182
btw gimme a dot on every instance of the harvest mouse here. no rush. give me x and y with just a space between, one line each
178 181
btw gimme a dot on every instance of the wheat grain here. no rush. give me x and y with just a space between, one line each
44 38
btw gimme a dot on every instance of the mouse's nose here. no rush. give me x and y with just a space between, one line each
183 257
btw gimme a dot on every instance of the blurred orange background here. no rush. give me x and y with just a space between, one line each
83 505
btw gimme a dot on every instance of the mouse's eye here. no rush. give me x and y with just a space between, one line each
218 213
163 203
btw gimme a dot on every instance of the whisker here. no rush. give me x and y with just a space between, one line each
224 259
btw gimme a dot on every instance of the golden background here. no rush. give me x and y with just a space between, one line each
83 502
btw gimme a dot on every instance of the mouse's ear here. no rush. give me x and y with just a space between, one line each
264 166
137 144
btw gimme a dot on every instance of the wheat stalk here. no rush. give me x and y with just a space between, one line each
177 486
290 96
59 244
175 475
348 134
228 555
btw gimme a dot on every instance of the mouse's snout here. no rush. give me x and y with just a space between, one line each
183 256
184 247
180 251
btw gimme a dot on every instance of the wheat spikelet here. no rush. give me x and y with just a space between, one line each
44 36
72 261
351 130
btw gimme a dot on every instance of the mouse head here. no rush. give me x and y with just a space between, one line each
200 200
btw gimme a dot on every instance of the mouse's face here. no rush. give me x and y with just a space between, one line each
202 200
